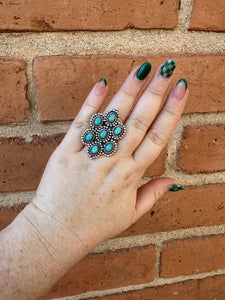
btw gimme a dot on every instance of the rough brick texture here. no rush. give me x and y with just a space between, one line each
192 207
22 163
62 83
192 256
201 289
13 101
8 214
108 270
202 149
157 168
53 15
208 15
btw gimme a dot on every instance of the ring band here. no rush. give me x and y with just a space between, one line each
105 129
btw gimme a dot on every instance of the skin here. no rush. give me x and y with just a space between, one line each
81 202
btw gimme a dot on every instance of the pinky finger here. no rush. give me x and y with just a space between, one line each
162 128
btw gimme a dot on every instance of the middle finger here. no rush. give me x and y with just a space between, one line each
147 106
125 98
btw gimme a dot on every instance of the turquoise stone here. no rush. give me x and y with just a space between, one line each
98 121
112 117
89 137
117 130
94 149
103 134
108 147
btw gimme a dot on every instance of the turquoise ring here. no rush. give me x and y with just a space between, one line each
105 129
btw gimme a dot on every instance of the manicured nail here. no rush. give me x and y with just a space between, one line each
100 87
104 80
143 71
175 188
168 68
180 88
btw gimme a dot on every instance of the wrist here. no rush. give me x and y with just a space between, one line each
62 245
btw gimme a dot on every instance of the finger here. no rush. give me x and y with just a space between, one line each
148 106
164 125
149 193
128 92
91 105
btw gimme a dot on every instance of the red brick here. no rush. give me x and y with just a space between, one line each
22 163
157 168
53 15
13 102
192 207
192 256
63 82
210 288
108 270
208 15
8 214
202 149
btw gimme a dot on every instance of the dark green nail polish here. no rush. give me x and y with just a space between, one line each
175 188
143 71
103 79
184 81
168 68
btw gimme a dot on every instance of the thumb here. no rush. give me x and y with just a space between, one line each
150 192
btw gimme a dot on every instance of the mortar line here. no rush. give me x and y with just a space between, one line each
157 263
159 238
129 41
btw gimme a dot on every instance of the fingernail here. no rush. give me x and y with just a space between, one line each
143 71
103 80
168 68
175 188
100 87
180 88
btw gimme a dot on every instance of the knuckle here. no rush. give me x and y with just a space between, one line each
157 194
80 124
155 92
157 137
139 123
129 91
130 174
91 105
172 113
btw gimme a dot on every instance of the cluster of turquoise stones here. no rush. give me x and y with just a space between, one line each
101 137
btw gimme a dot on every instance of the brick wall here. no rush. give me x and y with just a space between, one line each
51 54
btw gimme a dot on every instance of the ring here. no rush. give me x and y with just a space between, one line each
105 130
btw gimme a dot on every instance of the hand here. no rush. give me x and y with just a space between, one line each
97 199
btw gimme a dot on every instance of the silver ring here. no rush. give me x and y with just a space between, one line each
105 129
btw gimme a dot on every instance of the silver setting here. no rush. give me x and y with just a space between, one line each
93 119
121 134
94 155
108 122
116 115
84 135
108 134
109 152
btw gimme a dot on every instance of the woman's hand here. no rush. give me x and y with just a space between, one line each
97 199
81 202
